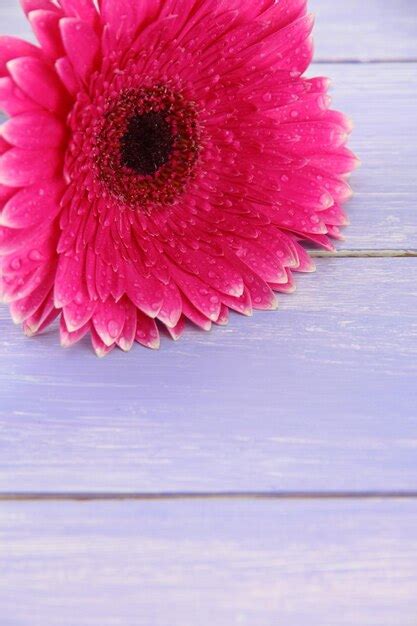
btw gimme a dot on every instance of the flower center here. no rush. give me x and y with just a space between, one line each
147 143
147 146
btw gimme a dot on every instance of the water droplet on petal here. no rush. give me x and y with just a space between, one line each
113 328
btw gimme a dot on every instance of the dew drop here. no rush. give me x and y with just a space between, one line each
16 264
113 328
35 255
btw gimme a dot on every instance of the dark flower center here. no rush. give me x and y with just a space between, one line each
147 143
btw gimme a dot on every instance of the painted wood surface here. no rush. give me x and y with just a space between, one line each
222 563
381 100
357 30
318 395
365 30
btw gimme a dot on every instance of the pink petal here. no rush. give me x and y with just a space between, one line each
171 309
147 333
242 305
33 205
33 5
203 298
108 320
12 48
33 130
146 293
12 99
68 338
22 309
195 316
121 18
67 75
84 9
260 260
82 46
69 279
305 262
45 25
5 194
21 168
176 332
27 259
212 270
39 82
335 216
19 285
342 161
223 318
99 346
128 334
12 239
42 317
78 312
288 287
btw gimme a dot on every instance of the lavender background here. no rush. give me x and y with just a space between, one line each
265 473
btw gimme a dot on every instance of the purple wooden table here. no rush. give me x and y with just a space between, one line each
265 473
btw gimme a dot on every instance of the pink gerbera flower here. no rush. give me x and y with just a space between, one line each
162 161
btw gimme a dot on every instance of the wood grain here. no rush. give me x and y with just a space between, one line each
243 562
365 30
350 30
380 99
320 395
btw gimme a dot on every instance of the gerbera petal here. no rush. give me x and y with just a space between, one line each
20 168
108 319
33 130
33 205
34 5
145 292
171 309
12 48
38 82
18 286
223 318
83 9
45 25
78 312
195 316
203 298
128 334
121 18
69 280
99 346
68 338
176 331
42 317
22 239
12 99
147 333
82 45
22 309
67 75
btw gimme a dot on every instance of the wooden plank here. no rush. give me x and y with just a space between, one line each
381 101
318 396
352 30
221 562
365 30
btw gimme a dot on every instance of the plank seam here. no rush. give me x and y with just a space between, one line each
363 61
220 495
376 254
